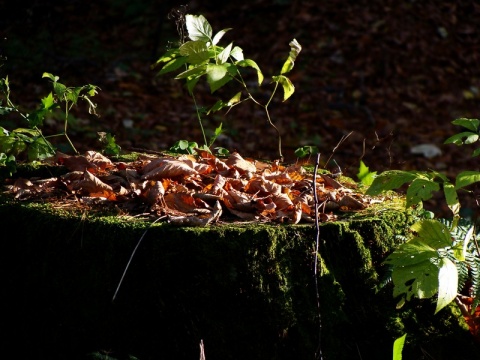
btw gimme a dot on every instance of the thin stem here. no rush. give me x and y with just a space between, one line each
199 120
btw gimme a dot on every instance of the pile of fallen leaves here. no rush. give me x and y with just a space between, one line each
194 190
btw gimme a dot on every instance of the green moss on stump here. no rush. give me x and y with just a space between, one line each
247 291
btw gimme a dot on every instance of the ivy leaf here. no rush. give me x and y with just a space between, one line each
198 28
447 283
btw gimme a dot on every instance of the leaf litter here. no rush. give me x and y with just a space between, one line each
189 190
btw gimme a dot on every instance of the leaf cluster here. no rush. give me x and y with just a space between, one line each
27 141
203 57
441 257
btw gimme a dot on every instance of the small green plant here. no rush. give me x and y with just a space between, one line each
28 141
441 257
202 56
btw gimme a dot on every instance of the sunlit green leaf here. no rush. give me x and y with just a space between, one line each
295 49
364 174
217 76
398 347
466 137
225 54
219 35
237 53
470 124
466 178
196 51
433 233
389 180
252 64
288 88
173 65
198 28
420 189
447 283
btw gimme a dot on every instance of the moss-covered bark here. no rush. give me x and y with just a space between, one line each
247 290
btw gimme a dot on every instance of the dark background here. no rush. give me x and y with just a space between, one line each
394 73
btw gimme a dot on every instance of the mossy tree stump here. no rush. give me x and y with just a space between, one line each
247 291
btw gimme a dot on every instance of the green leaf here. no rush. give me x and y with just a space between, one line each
476 152
168 56
219 35
447 283
217 106
433 233
414 273
420 189
235 99
173 65
237 53
288 88
295 49
195 71
196 51
40 149
458 139
398 347
252 64
389 180
225 54
364 175
217 76
451 197
470 124
466 178
198 28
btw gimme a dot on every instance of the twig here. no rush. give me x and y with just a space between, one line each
318 353
131 257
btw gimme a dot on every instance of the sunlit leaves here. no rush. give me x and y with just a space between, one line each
420 268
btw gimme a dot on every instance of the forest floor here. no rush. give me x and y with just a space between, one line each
374 80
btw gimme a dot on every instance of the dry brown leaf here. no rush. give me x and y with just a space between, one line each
239 163
169 169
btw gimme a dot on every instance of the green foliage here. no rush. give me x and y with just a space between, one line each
306 150
441 257
364 174
398 347
27 141
202 57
